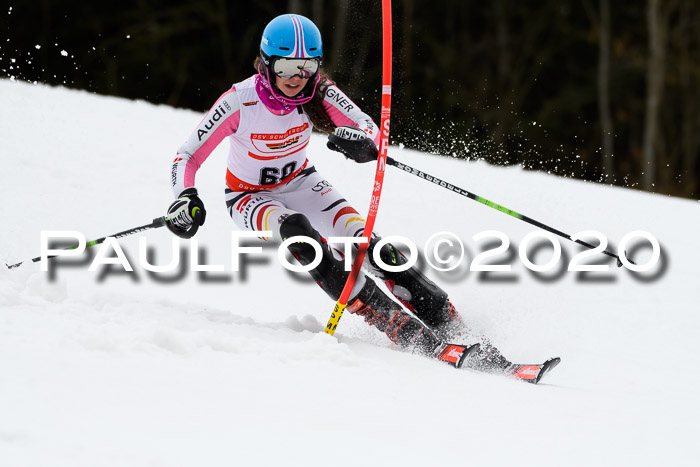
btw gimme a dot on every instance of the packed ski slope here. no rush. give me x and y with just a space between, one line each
115 368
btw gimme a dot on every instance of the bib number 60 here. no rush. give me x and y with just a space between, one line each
274 175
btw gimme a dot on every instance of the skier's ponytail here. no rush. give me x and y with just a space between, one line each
314 108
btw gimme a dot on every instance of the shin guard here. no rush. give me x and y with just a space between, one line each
330 274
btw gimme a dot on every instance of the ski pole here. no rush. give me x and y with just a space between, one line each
498 207
158 222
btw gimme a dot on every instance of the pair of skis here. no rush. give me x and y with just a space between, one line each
457 355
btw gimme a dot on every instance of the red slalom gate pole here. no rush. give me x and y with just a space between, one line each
378 178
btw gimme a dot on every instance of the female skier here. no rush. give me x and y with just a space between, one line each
271 185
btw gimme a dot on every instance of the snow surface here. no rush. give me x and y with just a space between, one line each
114 369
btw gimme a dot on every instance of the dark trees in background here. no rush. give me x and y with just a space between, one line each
603 24
656 62
594 89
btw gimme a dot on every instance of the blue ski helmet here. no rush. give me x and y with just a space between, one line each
291 44
291 36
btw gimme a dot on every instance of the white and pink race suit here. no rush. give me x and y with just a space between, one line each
269 178
268 174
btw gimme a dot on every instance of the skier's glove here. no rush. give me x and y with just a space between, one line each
353 143
186 214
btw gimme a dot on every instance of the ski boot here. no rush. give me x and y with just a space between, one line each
431 304
403 329
416 292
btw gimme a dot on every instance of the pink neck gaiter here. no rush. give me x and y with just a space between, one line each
263 89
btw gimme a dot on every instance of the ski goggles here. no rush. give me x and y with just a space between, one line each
288 68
